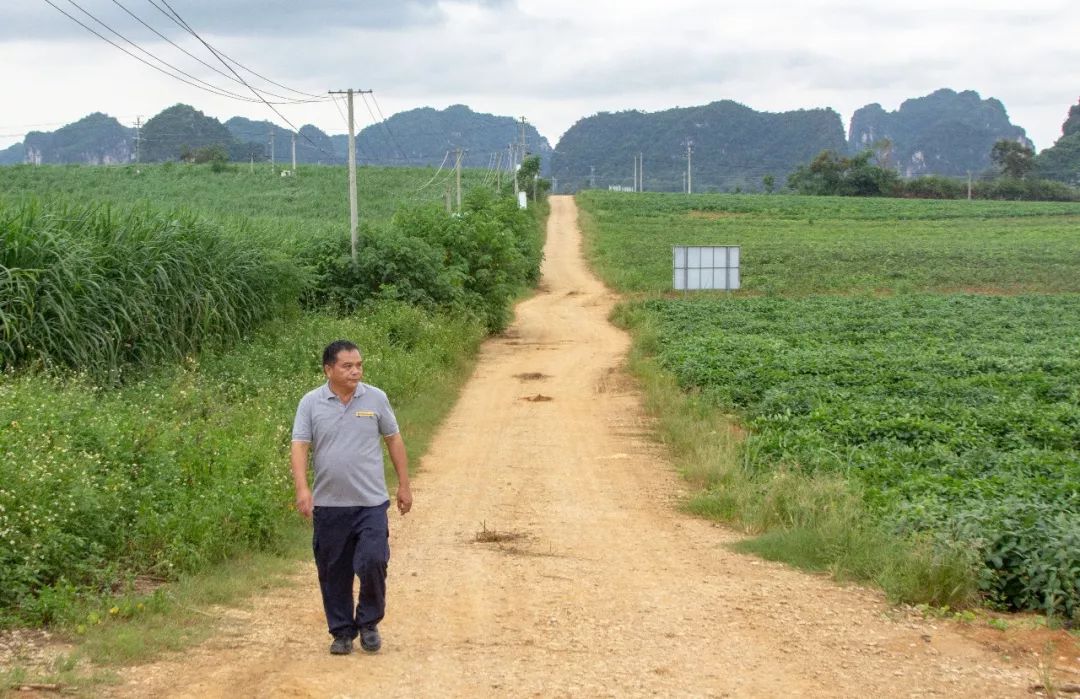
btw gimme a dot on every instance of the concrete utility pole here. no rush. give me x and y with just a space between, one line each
270 138
353 215
138 137
689 175
294 154
554 184
641 172
513 168
592 177
969 185
457 169
635 173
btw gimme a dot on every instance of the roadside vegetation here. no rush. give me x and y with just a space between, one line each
159 325
857 406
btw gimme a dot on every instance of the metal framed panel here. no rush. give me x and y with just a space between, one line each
701 267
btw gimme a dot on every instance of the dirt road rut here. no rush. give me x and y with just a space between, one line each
590 583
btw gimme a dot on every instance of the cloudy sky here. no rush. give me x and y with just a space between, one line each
552 61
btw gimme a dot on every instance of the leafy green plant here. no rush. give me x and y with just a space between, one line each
96 289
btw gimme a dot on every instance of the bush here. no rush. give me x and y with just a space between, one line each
492 249
933 187
1013 189
389 265
476 262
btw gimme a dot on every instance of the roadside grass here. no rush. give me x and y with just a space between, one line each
135 625
816 521
188 467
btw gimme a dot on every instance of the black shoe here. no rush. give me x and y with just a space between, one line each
342 645
370 640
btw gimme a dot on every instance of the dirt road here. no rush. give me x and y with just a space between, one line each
598 586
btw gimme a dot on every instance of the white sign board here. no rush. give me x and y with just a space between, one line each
705 267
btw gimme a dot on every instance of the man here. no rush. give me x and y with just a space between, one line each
340 423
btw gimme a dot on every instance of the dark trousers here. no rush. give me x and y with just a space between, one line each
348 542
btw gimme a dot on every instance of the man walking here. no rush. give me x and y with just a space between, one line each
340 423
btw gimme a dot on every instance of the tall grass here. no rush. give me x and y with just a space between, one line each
98 289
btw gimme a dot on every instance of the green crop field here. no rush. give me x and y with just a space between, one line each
804 245
316 197
954 417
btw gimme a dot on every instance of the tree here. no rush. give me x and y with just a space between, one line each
1015 159
1072 122
769 183
528 177
883 148
830 173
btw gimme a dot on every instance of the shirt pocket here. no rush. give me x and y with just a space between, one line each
363 422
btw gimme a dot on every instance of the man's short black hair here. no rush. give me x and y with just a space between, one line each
329 355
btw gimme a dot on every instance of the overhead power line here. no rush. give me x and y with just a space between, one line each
217 91
214 51
289 100
183 25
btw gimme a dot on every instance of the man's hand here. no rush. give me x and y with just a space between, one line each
304 502
404 498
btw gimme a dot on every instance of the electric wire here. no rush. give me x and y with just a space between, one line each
154 57
215 91
183 25
212 50
286 100
383 120
428 183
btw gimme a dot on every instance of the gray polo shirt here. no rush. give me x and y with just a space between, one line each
346 444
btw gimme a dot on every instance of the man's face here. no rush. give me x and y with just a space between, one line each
347 371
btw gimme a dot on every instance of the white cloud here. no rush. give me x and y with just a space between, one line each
556 61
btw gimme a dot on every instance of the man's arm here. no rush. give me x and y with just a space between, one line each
299 460
396 446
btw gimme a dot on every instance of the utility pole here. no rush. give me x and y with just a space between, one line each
457 168
554 184
592 177
641 172
513 168
689 175
353 216
294 155
635 173
969 185
270 138
138 137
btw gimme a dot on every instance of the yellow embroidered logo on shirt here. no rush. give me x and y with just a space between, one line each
365 413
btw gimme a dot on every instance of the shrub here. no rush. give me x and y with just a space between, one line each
933 187
389 264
